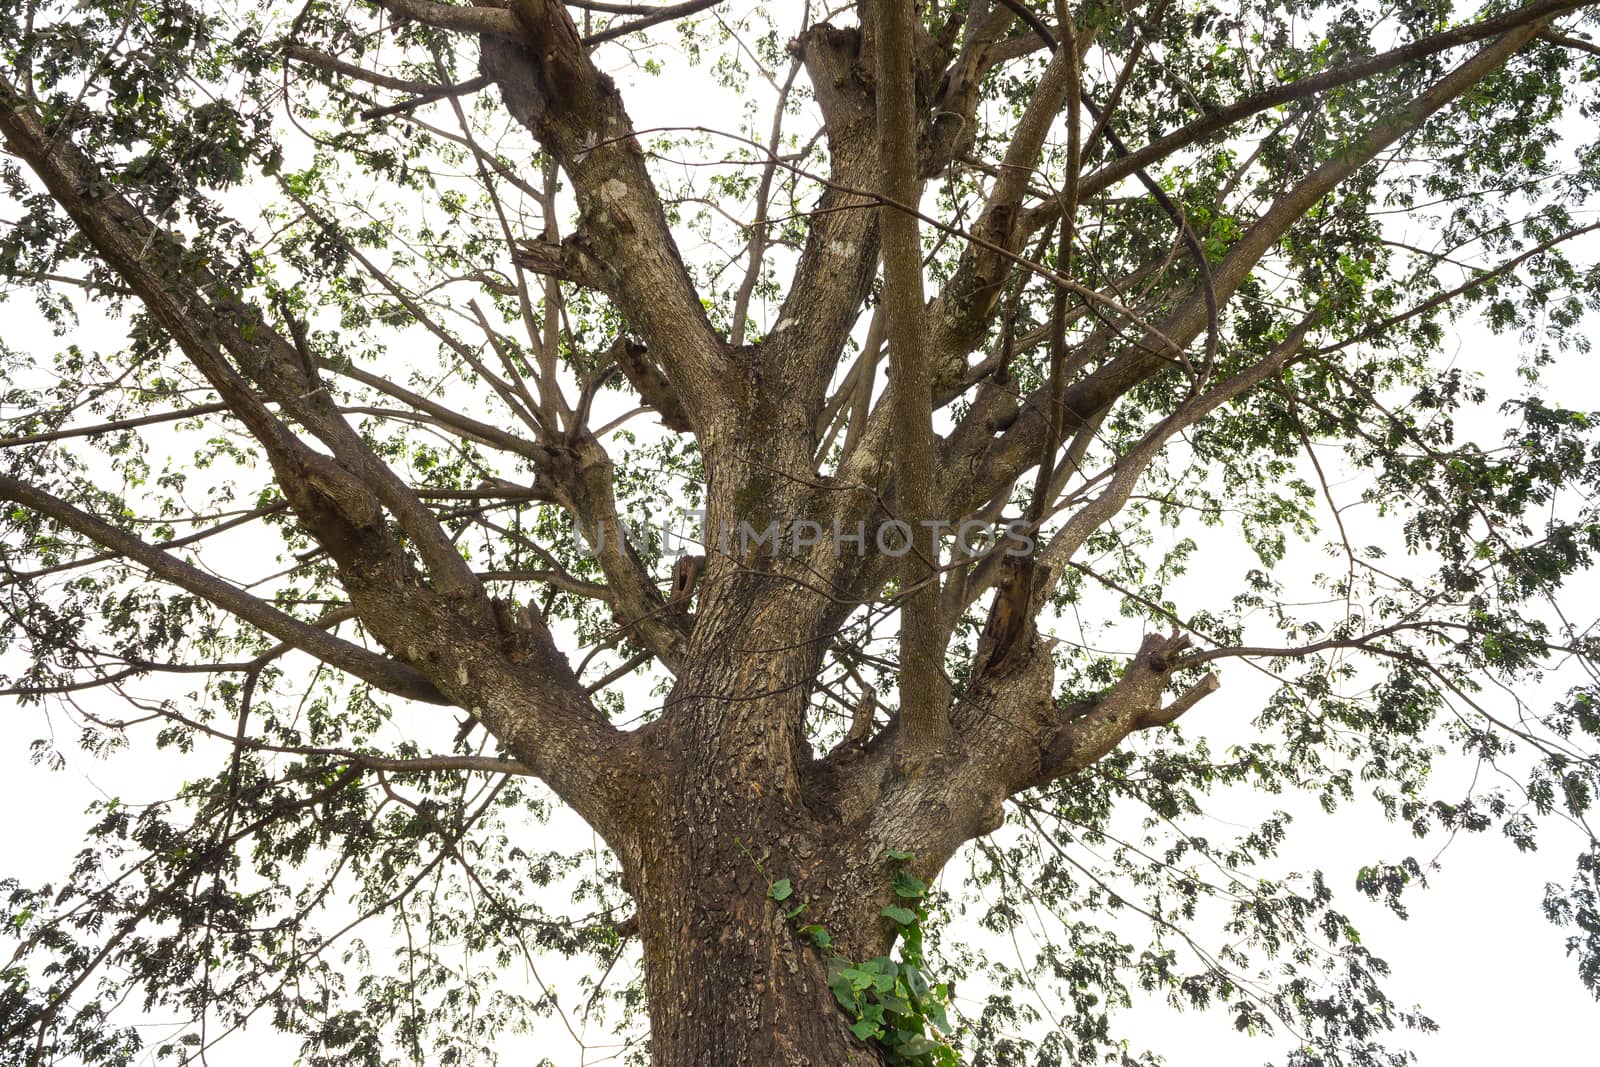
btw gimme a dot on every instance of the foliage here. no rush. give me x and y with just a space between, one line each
892 1003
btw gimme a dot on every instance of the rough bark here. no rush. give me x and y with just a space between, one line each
923 693
730 982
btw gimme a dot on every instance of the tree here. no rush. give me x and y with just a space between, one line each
993 312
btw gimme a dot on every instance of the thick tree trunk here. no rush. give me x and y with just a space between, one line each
730 981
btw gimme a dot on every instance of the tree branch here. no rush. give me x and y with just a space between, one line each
550 86
486 20
648 17
1214 122
509 675
387 674
1006 456
924 696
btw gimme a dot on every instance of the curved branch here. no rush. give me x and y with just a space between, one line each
648 17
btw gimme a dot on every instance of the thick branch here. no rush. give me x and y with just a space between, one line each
550 86
923 694
651 385
386 674
486 20
968 301
585 490
840 256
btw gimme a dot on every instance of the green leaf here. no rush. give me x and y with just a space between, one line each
916 981
846 997
844 991
782 889
898 856
857 978
817 935
865 1028
909 885
903 916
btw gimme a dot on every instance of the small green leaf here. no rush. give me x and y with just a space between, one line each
903 916
843 990
782 889
907 884
898 856
864 1029
916 982
858 979
934 1010
795 912
817 935
882 965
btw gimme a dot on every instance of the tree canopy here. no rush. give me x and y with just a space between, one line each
1026 371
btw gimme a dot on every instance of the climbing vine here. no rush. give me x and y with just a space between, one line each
892 1003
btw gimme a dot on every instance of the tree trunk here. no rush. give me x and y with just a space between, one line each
731 982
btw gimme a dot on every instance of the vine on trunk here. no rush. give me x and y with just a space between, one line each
892 1003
